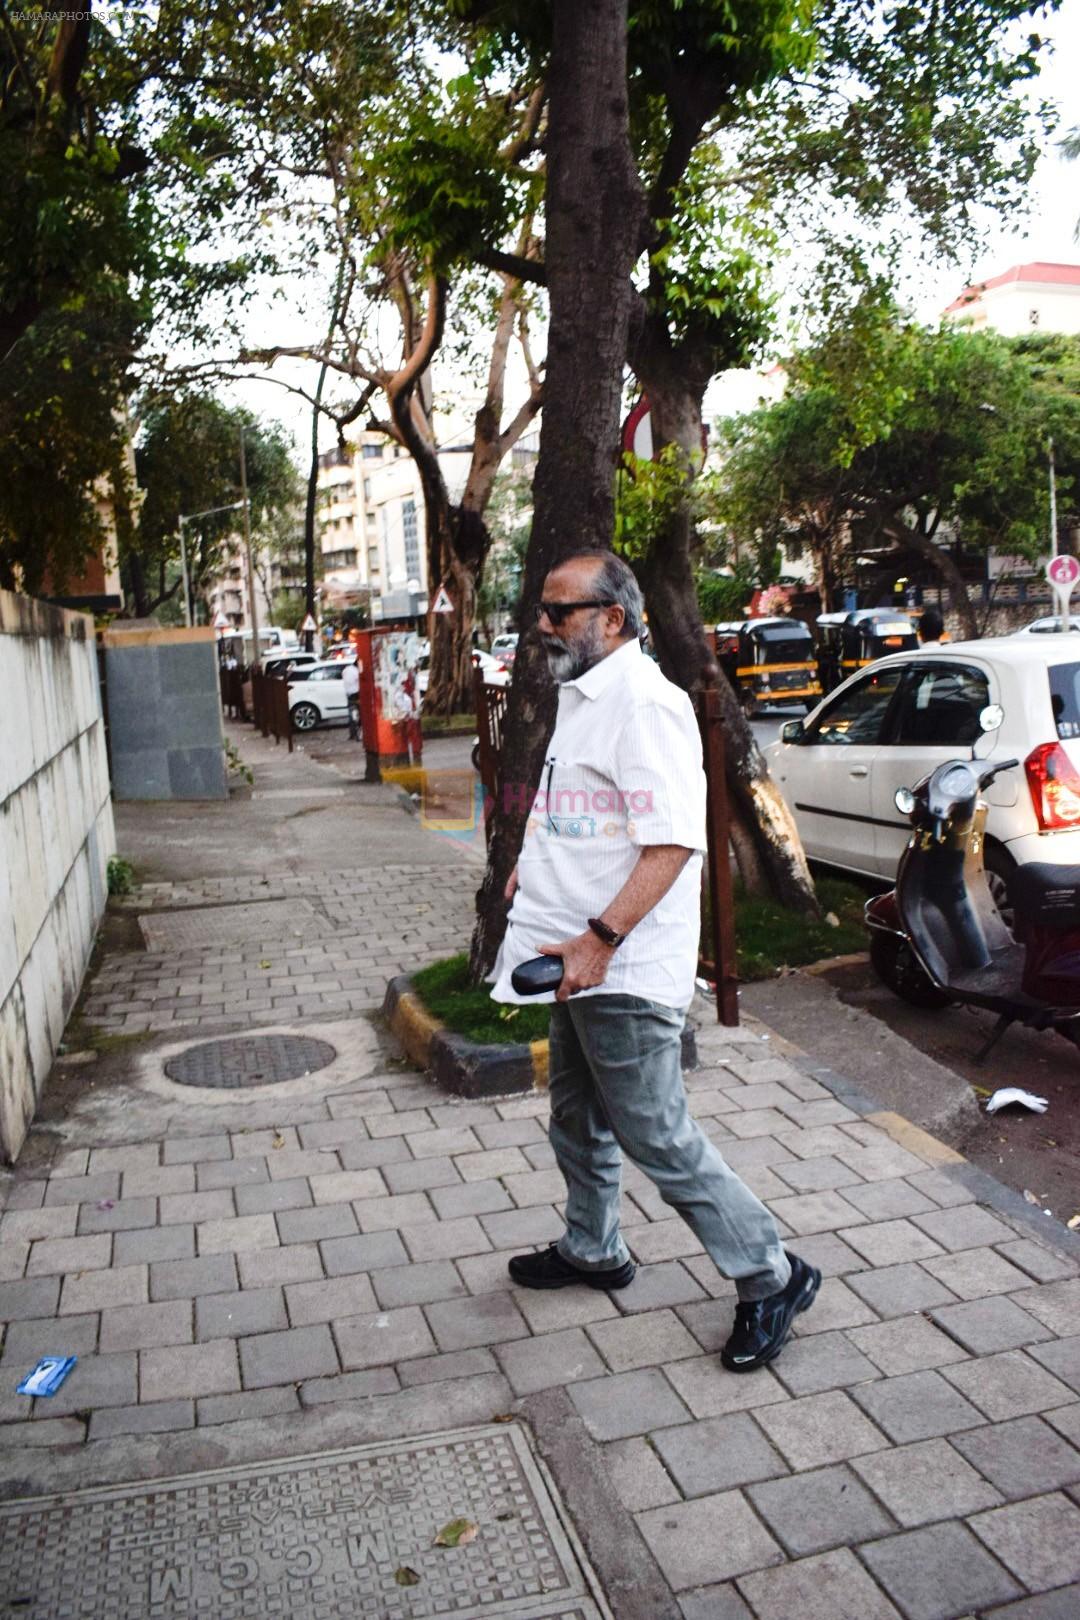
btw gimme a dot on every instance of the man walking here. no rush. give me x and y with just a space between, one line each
350 680
609 880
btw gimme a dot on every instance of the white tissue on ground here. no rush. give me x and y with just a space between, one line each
1012 1094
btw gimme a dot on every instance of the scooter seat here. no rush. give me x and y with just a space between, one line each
1045 895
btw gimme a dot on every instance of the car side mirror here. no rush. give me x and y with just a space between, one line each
991 717
792 731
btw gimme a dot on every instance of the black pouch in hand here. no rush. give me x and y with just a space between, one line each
540 973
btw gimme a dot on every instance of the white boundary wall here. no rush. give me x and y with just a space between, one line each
56 836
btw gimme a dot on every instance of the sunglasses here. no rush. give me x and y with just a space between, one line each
557 612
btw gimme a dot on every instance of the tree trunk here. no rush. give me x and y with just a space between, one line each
764 835
945 567
593 219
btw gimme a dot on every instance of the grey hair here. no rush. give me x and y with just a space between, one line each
615 580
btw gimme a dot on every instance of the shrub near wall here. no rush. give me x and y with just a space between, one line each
56 836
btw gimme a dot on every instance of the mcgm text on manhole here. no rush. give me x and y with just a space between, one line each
250 1060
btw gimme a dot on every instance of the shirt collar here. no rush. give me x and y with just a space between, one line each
596 680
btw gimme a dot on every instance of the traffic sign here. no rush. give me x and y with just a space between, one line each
442 602
308 624
1063 571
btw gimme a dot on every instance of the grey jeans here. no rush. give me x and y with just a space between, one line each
616 1087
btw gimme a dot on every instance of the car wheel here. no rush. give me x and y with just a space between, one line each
305 717
896 966
999 868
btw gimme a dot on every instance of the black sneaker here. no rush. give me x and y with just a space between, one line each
548 1269
762 1325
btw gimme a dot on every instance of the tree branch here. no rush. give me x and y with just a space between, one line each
512 264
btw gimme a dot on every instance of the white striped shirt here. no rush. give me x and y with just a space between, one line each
623 771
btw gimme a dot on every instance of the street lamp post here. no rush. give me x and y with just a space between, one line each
189 517
1053 500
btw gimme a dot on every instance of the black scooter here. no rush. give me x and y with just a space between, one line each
938 937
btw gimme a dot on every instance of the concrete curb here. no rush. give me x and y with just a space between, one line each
458 1065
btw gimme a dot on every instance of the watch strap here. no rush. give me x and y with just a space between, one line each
604 931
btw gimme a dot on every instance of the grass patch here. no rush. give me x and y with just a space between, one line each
468 1010
769 938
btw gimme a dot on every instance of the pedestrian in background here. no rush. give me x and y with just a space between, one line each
609 879
350 680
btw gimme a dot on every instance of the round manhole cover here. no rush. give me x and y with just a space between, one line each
250 1060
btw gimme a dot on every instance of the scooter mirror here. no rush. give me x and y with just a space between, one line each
991 717
904 801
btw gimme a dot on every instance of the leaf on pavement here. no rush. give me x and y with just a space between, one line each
458 1533
406 1576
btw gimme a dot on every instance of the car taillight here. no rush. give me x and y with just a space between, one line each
1055 787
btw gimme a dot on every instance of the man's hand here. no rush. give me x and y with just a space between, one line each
511 884
585 963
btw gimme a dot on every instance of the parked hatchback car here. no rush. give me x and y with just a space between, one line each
316 695
892 723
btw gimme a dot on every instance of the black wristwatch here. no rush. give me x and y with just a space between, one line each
604 931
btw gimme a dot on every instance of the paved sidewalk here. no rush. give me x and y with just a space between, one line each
255 1277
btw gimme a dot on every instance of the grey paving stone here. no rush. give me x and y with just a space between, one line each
717 1454
288 1357
469 1198
816 1175
1022 1457
832 1586
368 1155
1066 1420
322 1301
943 1187
124 1215
483 1319
888 1200
394 1213
158 1417
985 1326
509 1132
553 1360
265 1197
195 1149
967 1227
83 1189
190 1208
183 1279
835 1307
27 1340
1045 1265
976 1273
1008 1385
313 1225
819 1429
656 1286
445 1240
1037 1540
240 1235
369 1253
816 1362
830 1254
294 1166
651 1339
150 1243
418 1284
927 1481
384 1338
1061 1358
438 1369
101 1380
250 1403
225 1316
1056 1304
190 1370
706 1541
52 1257
29 1297
1063 1604
28 1194
397 1124
629 1403
161 1179
269 1268
350 1386
900 1290
638 1475
141 1327
419 1175
489 1274
907 1344
53 1221
332 1133
828 1507
260 1144
939 1572
523 1228
890 1243
102 1290
550 1311
916 1406
221 1173
657 1241
709 1391
66 1431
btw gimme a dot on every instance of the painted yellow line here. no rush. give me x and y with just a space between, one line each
539 1052
917 1141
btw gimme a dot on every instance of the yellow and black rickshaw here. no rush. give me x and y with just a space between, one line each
849 641
769 661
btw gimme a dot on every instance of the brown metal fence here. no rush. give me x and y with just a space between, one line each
270 706
232 691
717 958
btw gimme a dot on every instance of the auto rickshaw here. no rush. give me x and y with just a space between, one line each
872 633
769 661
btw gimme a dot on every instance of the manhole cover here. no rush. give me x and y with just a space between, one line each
166 931
311 1538
250 1060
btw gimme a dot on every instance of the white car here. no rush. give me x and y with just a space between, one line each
316 695
1048 625
893 722
494 671
282 663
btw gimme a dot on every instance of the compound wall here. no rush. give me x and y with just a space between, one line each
166 739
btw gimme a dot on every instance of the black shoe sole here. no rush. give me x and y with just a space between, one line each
608 1281
803 1301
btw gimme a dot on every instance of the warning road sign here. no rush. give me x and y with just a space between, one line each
308 624
442 602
